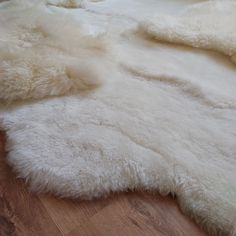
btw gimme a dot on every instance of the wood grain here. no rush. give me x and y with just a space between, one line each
132 213
21 213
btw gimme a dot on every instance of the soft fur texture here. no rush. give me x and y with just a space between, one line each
207 25
164 118
44 54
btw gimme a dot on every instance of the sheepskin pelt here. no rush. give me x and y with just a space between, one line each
208 25
45 54
144 114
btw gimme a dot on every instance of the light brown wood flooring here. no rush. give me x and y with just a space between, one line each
133 213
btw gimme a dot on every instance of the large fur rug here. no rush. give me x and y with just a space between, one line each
119 95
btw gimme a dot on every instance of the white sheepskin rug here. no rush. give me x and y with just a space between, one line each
44 54
147 100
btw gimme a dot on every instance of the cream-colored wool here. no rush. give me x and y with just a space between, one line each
44 54
207 25
163 118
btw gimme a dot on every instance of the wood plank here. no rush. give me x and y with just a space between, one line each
21 213
138 214
133 213
68 214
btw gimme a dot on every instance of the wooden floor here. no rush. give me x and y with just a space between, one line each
23 213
